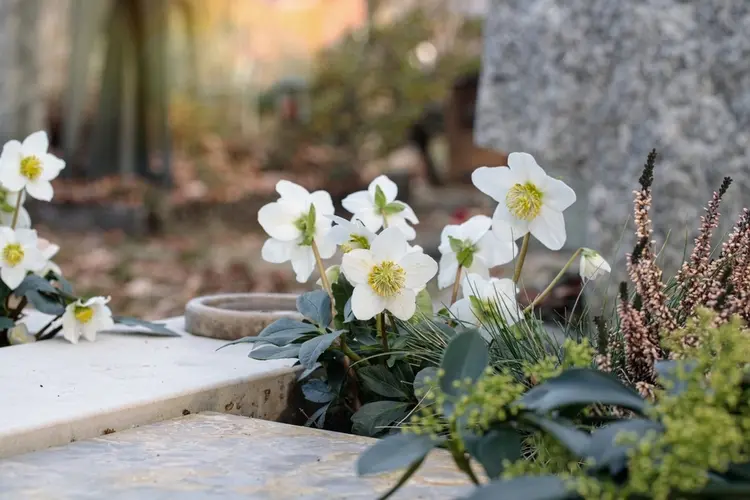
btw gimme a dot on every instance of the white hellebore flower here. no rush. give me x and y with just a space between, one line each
530 200
29 166
484 299
377 207
474 247
19 254
294 222
48 250
593 264
387 276
86 319
350 235
8 203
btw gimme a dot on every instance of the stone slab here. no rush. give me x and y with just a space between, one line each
215 456
54 392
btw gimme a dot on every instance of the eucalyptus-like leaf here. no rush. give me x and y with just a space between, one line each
395 452
152 328
372 418
464 360
380 380
582 387
310 351
604 447
575 440
45 303
34 282
525 488
268 351
318 419
287 325
421 386
308 371
491 449
317 391
315 306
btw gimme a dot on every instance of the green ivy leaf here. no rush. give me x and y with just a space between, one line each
393 208
464 360
372 418
395 452
380 199
311 350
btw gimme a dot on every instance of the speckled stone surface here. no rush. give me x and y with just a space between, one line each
210 455
590 86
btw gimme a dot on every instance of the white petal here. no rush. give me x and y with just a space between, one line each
403 305
33 259
389 188
12 151
494 251
338 234
408 214
476 227
463 312
10 176
504 288
473 285
7 235
326 247
371 220
70 325
357 266
277 251
527 169
398 222
549 228
558 195
303 263
52 167
27 237
40 189
12 276
287 189
98 302
358 202
323 203
494 181
504 224
420 268
24 219
35 144
277 219
389 245
366 303
479 267
448 268
450 231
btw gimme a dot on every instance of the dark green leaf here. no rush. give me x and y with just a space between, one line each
395 452
502 443
464 360
720 491
565 432
336 374
740 471
317 391
421 386
152 328
319 417
524 488
308 372
316 306
311 350
6 323
372 418
348 313
44 303
34 282
393 208
65 285
403 479
380 199
378 379
604 450
265 352
287 325
581 387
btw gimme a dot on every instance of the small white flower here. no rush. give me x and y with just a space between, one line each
387 276
29 166
48 250
19 254
350 235
86 319
474 247
377 207
530 200
486 297
8 201
593 264
293 222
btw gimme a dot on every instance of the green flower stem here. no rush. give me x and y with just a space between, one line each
456 285
380 322
321 269
348 351
385 221
521 257
18 209
557 278
41 332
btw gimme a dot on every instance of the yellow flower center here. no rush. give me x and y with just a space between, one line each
387 278
524 201
13 254
83 314
31 167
